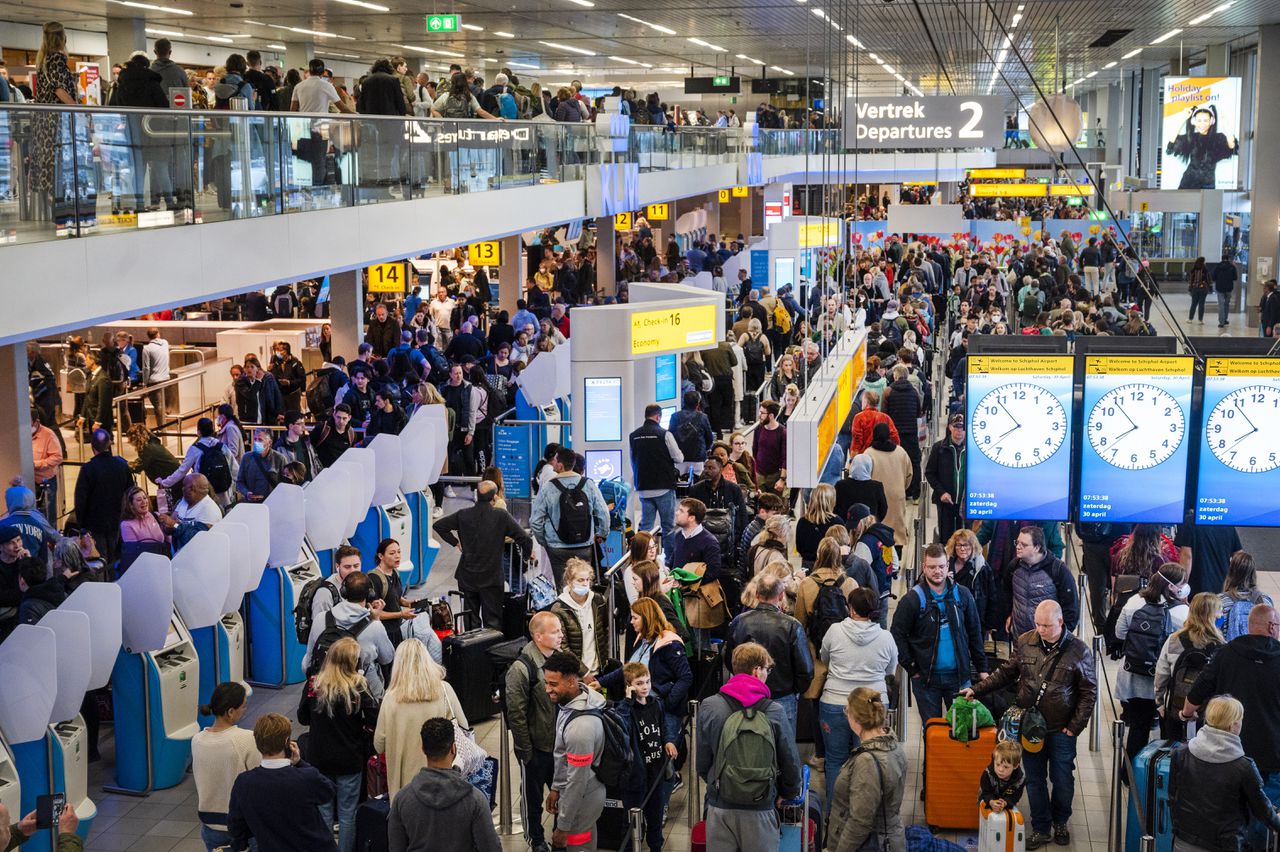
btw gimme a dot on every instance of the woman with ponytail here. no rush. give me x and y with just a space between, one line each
219 753
867 805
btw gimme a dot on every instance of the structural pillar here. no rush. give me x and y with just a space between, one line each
124 36
1264 237
15 415
712 206
1217 60
346 307
607 256
298 54
511 274
1152 112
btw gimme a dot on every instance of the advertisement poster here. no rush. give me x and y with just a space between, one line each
1133 459
89 81
1239 456
1018 453
1200 134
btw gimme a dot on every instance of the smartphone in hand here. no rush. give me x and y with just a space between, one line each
49 810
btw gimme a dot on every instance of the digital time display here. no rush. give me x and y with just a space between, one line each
1239 468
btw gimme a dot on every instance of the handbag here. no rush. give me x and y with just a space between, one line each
878 841
1017 722
470 757
703 601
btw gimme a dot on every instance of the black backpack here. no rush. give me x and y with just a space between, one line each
829 608
1186 669
719 522
214 466
1148 630
614 764
331 634
753 351
302 612
574 528
320 394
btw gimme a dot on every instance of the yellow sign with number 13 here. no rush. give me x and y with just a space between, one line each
386 277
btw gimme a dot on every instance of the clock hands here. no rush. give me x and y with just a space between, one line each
1016 424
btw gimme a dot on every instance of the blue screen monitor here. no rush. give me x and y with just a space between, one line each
668 411
666 377
603 408
603 465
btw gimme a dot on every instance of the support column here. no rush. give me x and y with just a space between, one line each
511 274
1217 60
712 206
1152 119
346 305
607 256
124 36
15 415
298 54
1263 237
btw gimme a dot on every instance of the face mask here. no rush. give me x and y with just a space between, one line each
258 447
581 591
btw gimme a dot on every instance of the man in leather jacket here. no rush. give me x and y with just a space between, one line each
783 637
1054 673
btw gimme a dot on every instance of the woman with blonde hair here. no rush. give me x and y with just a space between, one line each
55 84
770 545
867 803
969 568
819 516
1200 634
784 374
339 709
757 352
418 692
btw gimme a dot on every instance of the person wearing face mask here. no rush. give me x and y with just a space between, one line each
583 613
260 469
478 532
289 374
1147 619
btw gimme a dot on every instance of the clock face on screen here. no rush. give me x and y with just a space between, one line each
1136 426
1242 429
1019 425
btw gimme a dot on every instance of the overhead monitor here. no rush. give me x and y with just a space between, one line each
784 273
1018 458
1133 459
1239 458
602 407
666 377
603 465
723 85
1200 133
668 411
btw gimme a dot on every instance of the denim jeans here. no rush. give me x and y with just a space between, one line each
1198 297
214 838
664 507
839 740
1224 308
348 798
1257 831
790 706
932 699
1054 764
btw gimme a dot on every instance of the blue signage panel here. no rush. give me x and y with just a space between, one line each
1239 456
666 377
515 458
1133 458
760 269
602 408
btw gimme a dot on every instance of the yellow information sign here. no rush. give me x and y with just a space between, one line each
622 222
815 234
1008 190
658 212
1144 206
741 191
1070 189
1132 365
673 329
1030 365
1257 368
488 253
827 427
997 174
386 277
844 388
724 196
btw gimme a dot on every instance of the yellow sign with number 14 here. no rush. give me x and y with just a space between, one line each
386 277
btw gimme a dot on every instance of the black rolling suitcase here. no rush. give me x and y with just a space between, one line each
371 825
611 828
469 668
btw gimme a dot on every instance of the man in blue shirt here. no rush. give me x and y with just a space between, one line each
524 317
697 259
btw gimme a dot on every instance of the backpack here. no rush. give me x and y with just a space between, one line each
331 634
688 437
892 332
456 106
574 528
753 351
1234 620
1186 669
746 757
214 466
1148 629
829 608
507 106
302 612
781 317
320 394
614 764
283 304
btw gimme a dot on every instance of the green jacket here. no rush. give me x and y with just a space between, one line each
66 842
531 716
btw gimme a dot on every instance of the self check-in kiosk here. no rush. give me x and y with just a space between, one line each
201 579
248 529
10 785
424 448
275 655
155 684
28 671
389 516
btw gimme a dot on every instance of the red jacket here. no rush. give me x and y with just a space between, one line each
864 423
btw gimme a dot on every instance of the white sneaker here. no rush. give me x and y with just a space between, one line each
448 491
437 512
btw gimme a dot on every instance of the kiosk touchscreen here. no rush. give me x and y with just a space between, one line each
421 465
155 682
389 516
275 654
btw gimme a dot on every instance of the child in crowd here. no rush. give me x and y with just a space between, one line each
1003 780
653 744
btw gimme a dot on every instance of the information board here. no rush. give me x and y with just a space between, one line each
672 329
741 191
386 277
1018 445
488 253
514 457
828 426
936 121
1239 455
658 212
760 269
723 196
602 408
1133 459
622 222
666 377
817 234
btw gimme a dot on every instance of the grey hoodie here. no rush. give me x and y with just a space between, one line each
171 74
440 811
1214 745
857 653
578 749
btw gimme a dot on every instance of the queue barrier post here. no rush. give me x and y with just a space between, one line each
637 828
1095 724
904 700
1147 843
505 821
695 783
1115 818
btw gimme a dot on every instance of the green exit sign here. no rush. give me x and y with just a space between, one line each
720 81
442 23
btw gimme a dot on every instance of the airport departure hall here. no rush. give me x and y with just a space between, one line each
789 425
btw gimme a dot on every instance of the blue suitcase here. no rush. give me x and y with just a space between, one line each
371 825
801 816
1149 790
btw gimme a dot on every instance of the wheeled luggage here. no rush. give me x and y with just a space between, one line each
611 828
1149 791
469 670
952 774
1001 832
371 825
800 820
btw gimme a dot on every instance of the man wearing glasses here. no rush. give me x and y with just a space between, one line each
945 472
1037 576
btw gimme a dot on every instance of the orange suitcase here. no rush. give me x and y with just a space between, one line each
952 773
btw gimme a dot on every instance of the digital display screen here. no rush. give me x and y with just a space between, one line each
784 272
1018 453
602 409
668 411
603 465
666 377
1239 454
1200 133
1133 459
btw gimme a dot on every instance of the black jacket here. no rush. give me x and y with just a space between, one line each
291 378
945 471
1211 802
100 488
1069 696
481 529
991 787
902 404
382 94
868 492
784 638
916 631
1247 667
139 87
339 743
385 335
42 599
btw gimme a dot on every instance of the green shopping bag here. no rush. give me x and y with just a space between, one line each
967 716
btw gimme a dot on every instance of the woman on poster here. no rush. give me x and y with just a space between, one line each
1200 147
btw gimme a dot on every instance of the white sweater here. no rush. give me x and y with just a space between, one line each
216 760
